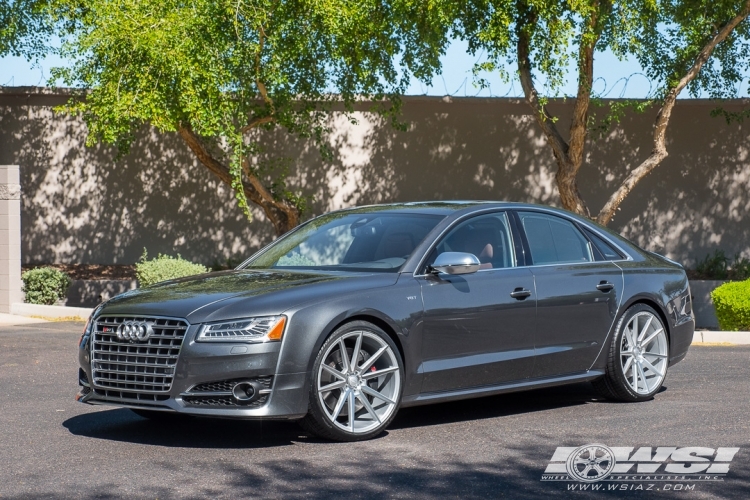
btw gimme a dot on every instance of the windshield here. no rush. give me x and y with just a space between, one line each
349 242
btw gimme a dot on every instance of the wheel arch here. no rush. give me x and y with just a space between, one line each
384 323
375 320
601 358
653 304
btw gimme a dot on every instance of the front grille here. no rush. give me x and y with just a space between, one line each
131 369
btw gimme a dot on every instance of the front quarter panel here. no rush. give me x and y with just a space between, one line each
397 308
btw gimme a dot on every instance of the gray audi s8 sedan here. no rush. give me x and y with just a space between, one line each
359 312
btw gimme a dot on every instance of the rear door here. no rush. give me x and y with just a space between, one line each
577 295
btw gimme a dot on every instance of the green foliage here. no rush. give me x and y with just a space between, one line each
732 303
45 285
164 268
665 36
25 27
713 266
739 269
672 35
718 266
224 68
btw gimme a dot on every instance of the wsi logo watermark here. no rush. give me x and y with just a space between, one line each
592 463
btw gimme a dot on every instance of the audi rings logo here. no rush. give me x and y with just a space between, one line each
135 330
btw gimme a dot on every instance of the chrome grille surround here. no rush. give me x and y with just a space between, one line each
135 370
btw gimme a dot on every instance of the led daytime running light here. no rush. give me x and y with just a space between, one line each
261 329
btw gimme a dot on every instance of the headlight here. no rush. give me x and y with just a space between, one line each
263 329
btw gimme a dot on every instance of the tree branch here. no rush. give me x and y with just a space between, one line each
258 82
659 151
589 39
282 214
559 146
257 122
568 159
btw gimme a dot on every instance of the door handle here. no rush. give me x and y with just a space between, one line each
605 286
520 293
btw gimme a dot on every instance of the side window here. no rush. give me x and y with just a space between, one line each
488 237
605 249
554 240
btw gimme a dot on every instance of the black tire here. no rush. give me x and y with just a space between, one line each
317 420
613 385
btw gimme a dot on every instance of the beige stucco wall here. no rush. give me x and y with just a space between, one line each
85 205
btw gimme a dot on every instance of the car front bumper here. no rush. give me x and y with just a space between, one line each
202 381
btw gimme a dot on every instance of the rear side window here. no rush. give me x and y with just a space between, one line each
605 249
553 240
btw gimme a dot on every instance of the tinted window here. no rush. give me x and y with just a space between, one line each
370 241
554 240
605 249
486 236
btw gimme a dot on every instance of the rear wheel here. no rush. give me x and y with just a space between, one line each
638 357
356 384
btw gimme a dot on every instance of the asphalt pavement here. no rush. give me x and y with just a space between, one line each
496 447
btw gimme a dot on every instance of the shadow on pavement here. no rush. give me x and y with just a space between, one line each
192 432
181 431
496 406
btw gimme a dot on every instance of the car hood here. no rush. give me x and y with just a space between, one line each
231 294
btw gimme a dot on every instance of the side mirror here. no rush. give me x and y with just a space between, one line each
455 263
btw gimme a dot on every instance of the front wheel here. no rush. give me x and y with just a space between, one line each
638 357
356 384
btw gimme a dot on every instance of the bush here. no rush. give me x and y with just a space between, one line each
732 303
165 268
713 267
740 269
45 285
718 266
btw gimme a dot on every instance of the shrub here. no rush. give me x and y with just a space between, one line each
718 266
732 303
45 285
740 269
713 267
164 268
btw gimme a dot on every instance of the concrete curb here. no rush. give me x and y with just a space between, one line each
711 337
20 309
13 320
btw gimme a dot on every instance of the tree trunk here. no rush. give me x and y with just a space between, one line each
568 154
283 215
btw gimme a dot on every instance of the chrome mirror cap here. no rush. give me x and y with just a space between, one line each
455 263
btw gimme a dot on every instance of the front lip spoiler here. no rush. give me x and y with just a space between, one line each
96 402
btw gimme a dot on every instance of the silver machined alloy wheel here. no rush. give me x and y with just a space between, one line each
643 352
638 357
357 382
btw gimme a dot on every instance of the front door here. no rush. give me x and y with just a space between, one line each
478 328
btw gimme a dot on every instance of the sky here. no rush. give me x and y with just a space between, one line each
613 78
